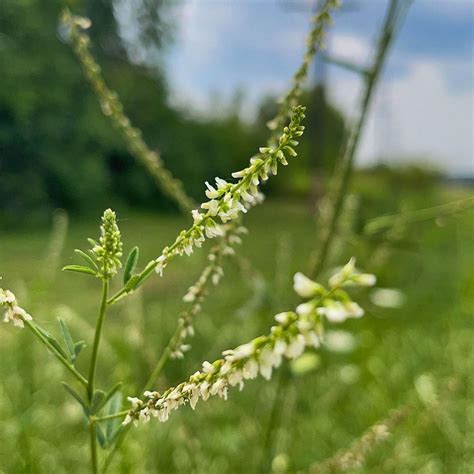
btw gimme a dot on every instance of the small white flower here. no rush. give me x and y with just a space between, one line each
211 192
136 402
364 279
250 369
306 308
295 347
242 352
197 216
161 261
212 207
280 346
236 378
205 390
312 339
128 419
283 318
305 287
208 368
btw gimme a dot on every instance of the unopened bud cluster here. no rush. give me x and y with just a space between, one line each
14 313
294 332
108 250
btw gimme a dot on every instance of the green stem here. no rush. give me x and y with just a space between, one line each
344 171
98 333
274 420
382 223
119 414
32 326
164 358
94 457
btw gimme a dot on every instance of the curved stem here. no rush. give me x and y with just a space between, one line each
98 333
343 173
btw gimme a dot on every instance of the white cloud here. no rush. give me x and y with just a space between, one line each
417 116
349 47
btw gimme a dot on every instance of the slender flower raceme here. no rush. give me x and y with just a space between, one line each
108 250
13 313
113 108
227 200
196 293
294 332
314 42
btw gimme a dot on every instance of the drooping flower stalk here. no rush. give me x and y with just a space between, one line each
112 107
13 312
355 456
293 332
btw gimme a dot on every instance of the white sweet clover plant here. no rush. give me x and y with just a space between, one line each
220 216
13 313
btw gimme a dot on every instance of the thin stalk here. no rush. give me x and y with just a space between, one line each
57 354
346 164
94 457
119 414
98 333
274 420
383 223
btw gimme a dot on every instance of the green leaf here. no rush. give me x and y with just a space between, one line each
132 283
79 269
101 437
87 258
52 340
132 261
77 397
97 401
78 347
112 392
67 339
113 425
136 280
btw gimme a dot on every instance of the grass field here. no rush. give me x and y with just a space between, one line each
420 354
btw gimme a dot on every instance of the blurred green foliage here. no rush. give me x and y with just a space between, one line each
421 353
58 150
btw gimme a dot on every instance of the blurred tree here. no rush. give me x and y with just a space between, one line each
57 149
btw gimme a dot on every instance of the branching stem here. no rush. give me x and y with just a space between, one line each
33 327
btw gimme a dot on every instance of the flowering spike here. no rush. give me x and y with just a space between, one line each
109 249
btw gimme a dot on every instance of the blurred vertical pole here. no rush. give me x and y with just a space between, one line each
342 174
318 105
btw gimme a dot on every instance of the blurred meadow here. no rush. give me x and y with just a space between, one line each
62 163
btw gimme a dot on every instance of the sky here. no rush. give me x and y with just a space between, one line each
422 109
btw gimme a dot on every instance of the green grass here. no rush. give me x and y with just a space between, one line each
431 337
